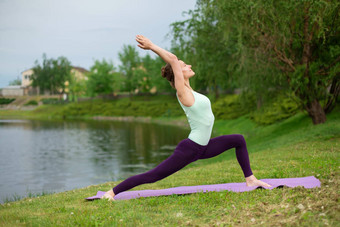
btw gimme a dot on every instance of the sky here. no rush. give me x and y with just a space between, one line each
80 30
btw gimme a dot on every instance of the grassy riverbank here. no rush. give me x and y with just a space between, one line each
154 106
291 148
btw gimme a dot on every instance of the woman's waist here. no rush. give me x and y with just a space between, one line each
202 123
201 137
201 128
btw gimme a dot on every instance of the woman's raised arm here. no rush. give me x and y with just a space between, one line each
168 57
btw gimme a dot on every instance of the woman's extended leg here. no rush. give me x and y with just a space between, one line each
183 155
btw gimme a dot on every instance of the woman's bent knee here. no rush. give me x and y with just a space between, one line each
240 139
237 140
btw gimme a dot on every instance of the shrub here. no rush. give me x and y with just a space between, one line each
32 103
125 107
231 107
4 101
53 101
281 108
228 107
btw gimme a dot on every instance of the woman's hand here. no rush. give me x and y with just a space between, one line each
144 42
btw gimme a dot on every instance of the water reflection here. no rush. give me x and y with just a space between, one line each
38 156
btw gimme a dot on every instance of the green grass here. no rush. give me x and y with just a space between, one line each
155 106
290 148
277 207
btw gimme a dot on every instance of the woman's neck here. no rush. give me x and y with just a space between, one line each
187 84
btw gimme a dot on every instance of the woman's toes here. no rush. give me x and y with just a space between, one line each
258 183
265 184
107 196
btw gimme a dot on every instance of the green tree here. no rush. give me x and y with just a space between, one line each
77 87
153 68
141 80
17 81
51 75
266 48
101 78
199 42
299 40
130 60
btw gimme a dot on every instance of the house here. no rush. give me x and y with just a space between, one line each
79 73
26 79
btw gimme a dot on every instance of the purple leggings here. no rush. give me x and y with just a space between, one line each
188 151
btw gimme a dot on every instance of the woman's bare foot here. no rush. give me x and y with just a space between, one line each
252 181
109 195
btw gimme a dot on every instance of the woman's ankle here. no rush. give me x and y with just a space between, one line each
251 178
111 193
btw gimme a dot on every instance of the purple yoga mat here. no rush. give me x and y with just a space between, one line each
307 182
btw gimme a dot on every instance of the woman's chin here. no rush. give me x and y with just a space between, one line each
189 75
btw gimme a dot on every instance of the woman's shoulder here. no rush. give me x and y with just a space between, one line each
186 98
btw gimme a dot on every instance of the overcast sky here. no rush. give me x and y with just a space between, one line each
80 30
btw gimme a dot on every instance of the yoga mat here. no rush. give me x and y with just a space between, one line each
307 182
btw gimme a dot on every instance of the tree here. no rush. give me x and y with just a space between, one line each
267 47
130 60
298 38
101 78
51 75
77 87
201 44
17 81
153 68
141 80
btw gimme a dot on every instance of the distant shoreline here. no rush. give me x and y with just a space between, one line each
183 123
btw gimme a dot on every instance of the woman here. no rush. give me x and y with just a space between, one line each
198 145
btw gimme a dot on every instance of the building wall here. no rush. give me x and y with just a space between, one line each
26 77
14 91
79 75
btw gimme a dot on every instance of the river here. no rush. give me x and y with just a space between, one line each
52 156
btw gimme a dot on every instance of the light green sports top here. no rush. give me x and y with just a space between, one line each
200 118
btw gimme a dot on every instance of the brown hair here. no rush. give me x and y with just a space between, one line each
169 74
